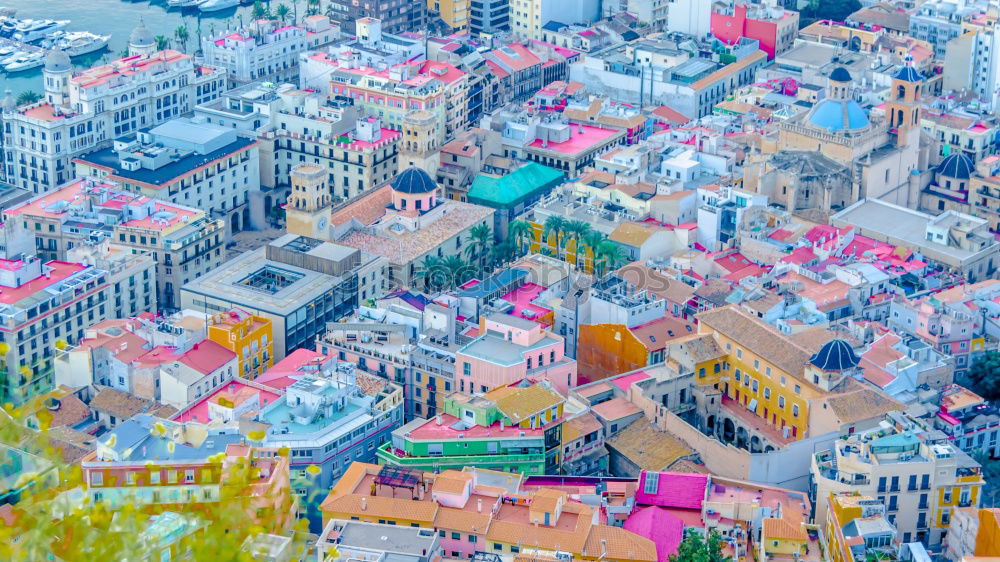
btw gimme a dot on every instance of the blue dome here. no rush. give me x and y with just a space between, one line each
414 180
957 165
908 74
835 355
835 115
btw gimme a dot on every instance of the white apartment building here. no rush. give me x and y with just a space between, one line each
187 162
47 307
181 241
921 482
88 110
267 49
296 126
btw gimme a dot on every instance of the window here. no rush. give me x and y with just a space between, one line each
652 483
189 476
456 536
466 369
798 389
795 410
96 478
781 401
154 477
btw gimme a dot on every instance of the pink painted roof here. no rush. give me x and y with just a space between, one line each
799 256
780 235
577 143
43 112
733 262
659 526
138 64
204 357
285 372
179 216
615 409
431 430
749 271
674 489
198 412
521 299
624 382
58 271
522 60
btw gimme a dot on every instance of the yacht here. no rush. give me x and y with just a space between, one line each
7 51
216 5
25 62
9 58
76 43
8 26
184 3
29 31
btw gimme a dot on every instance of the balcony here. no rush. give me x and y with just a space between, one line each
389 454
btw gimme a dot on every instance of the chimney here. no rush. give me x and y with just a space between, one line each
479 503
604 548
438 419
364 504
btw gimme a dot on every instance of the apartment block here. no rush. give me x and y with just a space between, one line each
508 429
267 49
920 480
186 162
297 283
248 336
158 465
85 111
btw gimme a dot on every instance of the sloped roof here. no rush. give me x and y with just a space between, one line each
648 447
514 188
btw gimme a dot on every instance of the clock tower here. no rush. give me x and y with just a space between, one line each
308 209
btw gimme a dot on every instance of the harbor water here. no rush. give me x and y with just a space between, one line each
118 17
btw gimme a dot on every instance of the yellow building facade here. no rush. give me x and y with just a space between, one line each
455 13
250 337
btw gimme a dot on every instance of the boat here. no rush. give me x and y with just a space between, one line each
77 43
7 59
216 5
7 51
29 31
25 62
184 3
8 26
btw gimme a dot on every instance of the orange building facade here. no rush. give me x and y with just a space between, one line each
250 337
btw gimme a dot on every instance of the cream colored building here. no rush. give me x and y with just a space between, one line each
922 483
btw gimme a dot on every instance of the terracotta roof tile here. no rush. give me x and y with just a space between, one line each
123 405
648 447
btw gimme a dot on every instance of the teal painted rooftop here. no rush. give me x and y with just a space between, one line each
896 443
514 188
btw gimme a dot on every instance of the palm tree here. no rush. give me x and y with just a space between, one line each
281 12
260 11
313 7
576 230
181 34
592 240
430 272
502 253
517 233
611 257
28 97
555 224
480 240
457 270
162 42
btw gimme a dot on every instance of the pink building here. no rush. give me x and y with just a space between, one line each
512 349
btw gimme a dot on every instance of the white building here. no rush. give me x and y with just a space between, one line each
46 307
976 58
187 162
88 110
268 49
527 17
692 17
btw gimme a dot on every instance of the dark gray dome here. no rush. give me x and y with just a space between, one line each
141 36
57 60
414 180
835 355
840 74
957 165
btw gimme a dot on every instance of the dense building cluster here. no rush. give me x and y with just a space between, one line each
514 280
